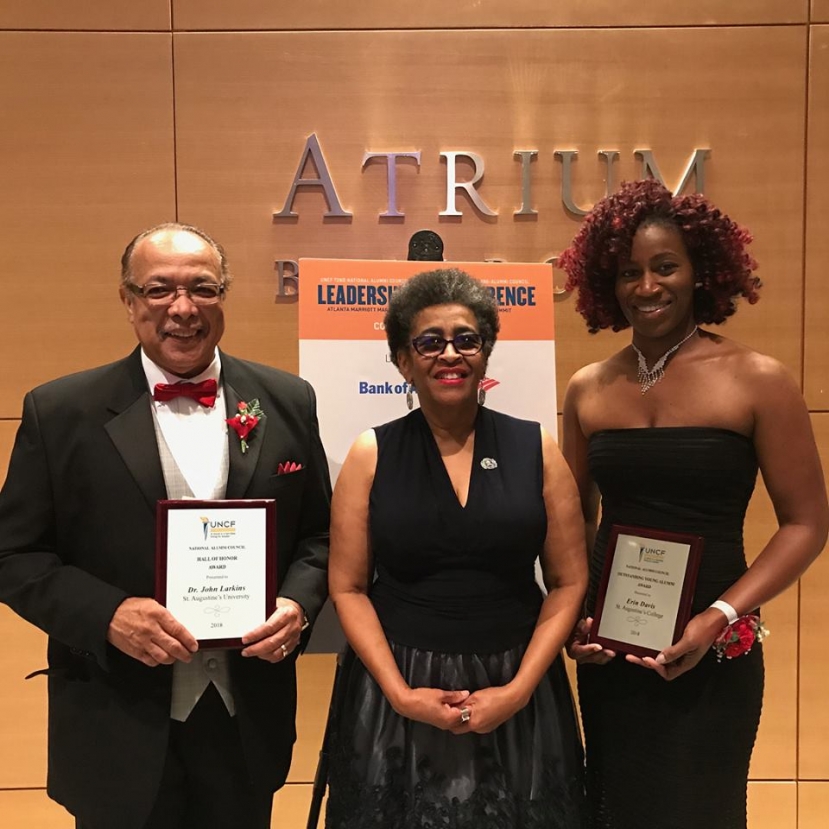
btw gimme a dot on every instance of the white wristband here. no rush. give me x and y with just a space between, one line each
730 614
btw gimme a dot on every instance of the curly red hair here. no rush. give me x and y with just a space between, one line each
716 246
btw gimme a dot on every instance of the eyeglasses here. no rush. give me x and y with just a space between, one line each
155 293
430 345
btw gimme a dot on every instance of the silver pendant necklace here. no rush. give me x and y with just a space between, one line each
649 377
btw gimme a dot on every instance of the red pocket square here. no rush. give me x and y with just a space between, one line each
286 467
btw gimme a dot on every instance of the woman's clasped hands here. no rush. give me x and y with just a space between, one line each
460 712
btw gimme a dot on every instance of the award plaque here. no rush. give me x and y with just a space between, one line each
216 566
647 586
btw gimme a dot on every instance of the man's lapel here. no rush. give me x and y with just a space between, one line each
241 466
132 431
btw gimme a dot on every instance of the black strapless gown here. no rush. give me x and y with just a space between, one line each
673 755
457 598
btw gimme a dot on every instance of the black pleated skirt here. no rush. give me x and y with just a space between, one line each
389 772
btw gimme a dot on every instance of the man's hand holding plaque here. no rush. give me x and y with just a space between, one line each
148 632
216 567
279 636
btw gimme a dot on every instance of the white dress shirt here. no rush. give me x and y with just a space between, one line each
196 437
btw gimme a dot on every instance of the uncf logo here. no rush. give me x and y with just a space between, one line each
217 528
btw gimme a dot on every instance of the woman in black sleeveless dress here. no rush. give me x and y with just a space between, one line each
453 705
669 433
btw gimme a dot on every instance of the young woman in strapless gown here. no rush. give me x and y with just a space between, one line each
669 434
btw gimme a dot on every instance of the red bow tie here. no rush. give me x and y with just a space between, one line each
204 392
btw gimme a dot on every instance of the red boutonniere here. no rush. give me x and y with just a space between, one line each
245 421
738 638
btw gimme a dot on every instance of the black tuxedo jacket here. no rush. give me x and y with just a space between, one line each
77 537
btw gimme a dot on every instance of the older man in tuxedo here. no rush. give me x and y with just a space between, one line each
146 730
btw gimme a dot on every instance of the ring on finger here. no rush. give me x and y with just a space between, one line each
284 651
465 715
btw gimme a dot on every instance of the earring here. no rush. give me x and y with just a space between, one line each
481 395
409 397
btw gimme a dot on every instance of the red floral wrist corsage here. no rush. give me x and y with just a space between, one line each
245 422
739 637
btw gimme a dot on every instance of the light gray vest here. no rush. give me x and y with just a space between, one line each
191 679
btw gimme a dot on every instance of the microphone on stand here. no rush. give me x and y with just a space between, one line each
425 246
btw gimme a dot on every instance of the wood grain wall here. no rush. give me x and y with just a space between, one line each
118 115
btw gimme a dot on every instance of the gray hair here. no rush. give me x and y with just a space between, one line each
126 258
445 286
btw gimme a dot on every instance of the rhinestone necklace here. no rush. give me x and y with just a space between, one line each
649 377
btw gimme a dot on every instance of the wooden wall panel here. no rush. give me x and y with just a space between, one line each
820 11
290 807
88 163
772 805
813 805
814 669
8 429
315 677
33 810
816 357
22 704
468 14
117 15
775 753
381 91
